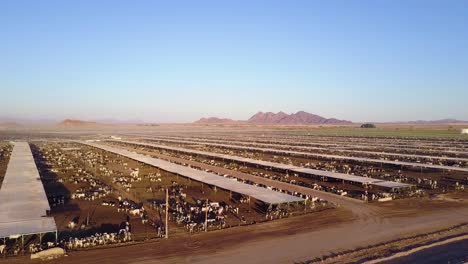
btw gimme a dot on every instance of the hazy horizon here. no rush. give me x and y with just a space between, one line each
150 61
45 121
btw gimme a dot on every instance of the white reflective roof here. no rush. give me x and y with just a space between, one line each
235 143
259 193
329 156
292 168
23 201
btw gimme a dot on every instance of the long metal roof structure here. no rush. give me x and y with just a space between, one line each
281 166
23 201
334 145
338 157
259 193
308 148
343 139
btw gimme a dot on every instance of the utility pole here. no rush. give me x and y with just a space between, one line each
167 212
206 216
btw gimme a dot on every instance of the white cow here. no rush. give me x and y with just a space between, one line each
71 225
135 212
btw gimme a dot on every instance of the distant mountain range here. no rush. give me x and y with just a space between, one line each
304 118
432 122
9 124
281 118
216 120
300 117
79 123
269 118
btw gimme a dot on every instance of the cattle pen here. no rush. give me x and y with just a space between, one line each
296 146
259 193
332 157
24 205
283 167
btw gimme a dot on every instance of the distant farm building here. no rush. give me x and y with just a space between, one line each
465 131
368 125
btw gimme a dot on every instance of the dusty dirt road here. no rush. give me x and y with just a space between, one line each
283 241
308 245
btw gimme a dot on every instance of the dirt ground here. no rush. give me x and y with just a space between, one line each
184 244
302 237
380 251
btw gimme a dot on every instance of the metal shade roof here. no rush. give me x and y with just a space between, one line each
236 143
331 156
23 201
259 193
291 168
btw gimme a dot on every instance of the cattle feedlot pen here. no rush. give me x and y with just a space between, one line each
262 194
22 184
285 167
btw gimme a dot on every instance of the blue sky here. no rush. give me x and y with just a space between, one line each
176 61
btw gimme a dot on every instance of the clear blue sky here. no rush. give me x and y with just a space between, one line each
176 61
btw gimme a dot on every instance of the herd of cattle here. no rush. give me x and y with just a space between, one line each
90 179
327 186
73 243
97 182
427 180
390 173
